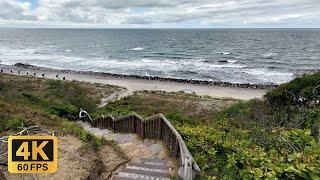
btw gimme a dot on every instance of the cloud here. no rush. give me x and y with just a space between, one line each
15 10
146 13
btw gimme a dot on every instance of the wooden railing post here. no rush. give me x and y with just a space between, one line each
176 148
159 127
143 129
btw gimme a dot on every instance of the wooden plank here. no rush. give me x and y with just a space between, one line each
148 173
158 161
150 166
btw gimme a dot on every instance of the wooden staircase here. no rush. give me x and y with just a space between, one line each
148 168
155 127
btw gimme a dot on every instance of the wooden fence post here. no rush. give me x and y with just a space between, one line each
159 128
143 129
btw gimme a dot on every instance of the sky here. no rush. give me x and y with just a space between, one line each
161 13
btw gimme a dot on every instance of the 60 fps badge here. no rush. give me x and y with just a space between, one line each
32 154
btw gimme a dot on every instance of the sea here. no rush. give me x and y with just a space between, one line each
255 56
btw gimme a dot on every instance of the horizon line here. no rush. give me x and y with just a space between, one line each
8 27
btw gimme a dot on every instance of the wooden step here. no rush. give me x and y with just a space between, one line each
147 173
151 166
147 169
140 176
154 161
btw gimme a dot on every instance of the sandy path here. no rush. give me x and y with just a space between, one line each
139 84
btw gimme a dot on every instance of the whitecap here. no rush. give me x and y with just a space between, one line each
266 75
225 53
232 61
149 61
68 50
136 49
238 66
269 55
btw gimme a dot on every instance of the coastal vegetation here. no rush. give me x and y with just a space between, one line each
29 101
26 101
276 137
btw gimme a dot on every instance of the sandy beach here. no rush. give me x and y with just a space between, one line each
132 84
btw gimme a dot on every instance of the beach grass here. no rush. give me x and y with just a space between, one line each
27 101
179 107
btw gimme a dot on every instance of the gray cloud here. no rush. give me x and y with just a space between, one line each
154 12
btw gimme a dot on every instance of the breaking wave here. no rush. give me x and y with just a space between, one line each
136 49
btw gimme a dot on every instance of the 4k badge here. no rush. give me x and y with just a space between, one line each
32 154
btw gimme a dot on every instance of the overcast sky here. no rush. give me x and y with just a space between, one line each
160 13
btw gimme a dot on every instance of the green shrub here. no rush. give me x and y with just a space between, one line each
31 98
261 139
2 86
61 110
12 123
51 106
302 91
178 118
72 93
293 154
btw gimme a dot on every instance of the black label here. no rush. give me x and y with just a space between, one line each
33 146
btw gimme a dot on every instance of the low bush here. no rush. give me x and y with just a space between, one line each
71 93
11 123
289 154
62 110
303 91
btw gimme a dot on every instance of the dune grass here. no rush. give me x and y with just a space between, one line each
26 101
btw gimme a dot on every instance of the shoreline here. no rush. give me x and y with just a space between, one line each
140 83
156 78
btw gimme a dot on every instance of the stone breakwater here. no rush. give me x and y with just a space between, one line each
155 78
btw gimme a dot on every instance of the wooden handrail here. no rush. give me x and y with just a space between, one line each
187 160
155 127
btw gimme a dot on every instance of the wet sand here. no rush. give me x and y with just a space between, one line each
132 84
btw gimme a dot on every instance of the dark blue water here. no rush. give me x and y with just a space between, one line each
231 55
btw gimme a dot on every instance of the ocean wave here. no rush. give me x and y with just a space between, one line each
182 53
277 63
232 61
136 49
228 61
238 66
167 57
149 60
166 66
267 75
225 53
228 71
36 57
267 72
269 55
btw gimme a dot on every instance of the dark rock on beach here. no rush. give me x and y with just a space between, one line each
156 78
